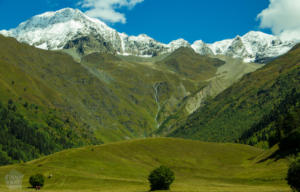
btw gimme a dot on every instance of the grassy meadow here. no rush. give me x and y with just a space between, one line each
124 166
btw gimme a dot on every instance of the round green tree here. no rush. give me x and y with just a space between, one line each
37 180
293 177
161 178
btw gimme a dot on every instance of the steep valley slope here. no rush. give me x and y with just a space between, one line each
226 75
248 107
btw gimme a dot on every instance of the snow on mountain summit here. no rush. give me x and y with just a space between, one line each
54 30
173 45
261 45
254 46
141 45
202 48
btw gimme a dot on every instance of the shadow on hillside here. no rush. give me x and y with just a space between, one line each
280 154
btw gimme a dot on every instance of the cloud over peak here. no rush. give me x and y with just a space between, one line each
107 9
282 17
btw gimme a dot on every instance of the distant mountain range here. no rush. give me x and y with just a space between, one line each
71 29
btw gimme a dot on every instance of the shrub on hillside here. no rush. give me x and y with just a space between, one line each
4 158
37 180
293 177
161 178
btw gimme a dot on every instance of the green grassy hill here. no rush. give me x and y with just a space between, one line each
185 61
240 107
124 166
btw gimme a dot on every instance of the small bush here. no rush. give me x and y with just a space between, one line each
161 178
37 180
293 177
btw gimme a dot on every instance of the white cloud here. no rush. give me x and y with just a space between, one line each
107 9
283 17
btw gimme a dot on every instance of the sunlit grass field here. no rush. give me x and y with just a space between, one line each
124 166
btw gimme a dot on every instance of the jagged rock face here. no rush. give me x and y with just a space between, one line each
237 48
90 44
54 30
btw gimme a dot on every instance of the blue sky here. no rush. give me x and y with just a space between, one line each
164 20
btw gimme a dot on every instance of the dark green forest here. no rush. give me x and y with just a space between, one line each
281 125
24 139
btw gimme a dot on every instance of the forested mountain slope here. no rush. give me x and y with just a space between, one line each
281 125
31 121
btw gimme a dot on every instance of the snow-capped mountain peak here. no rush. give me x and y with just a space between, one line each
258 45
202 48
255 46
52 30
51 18
141 45
173 45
